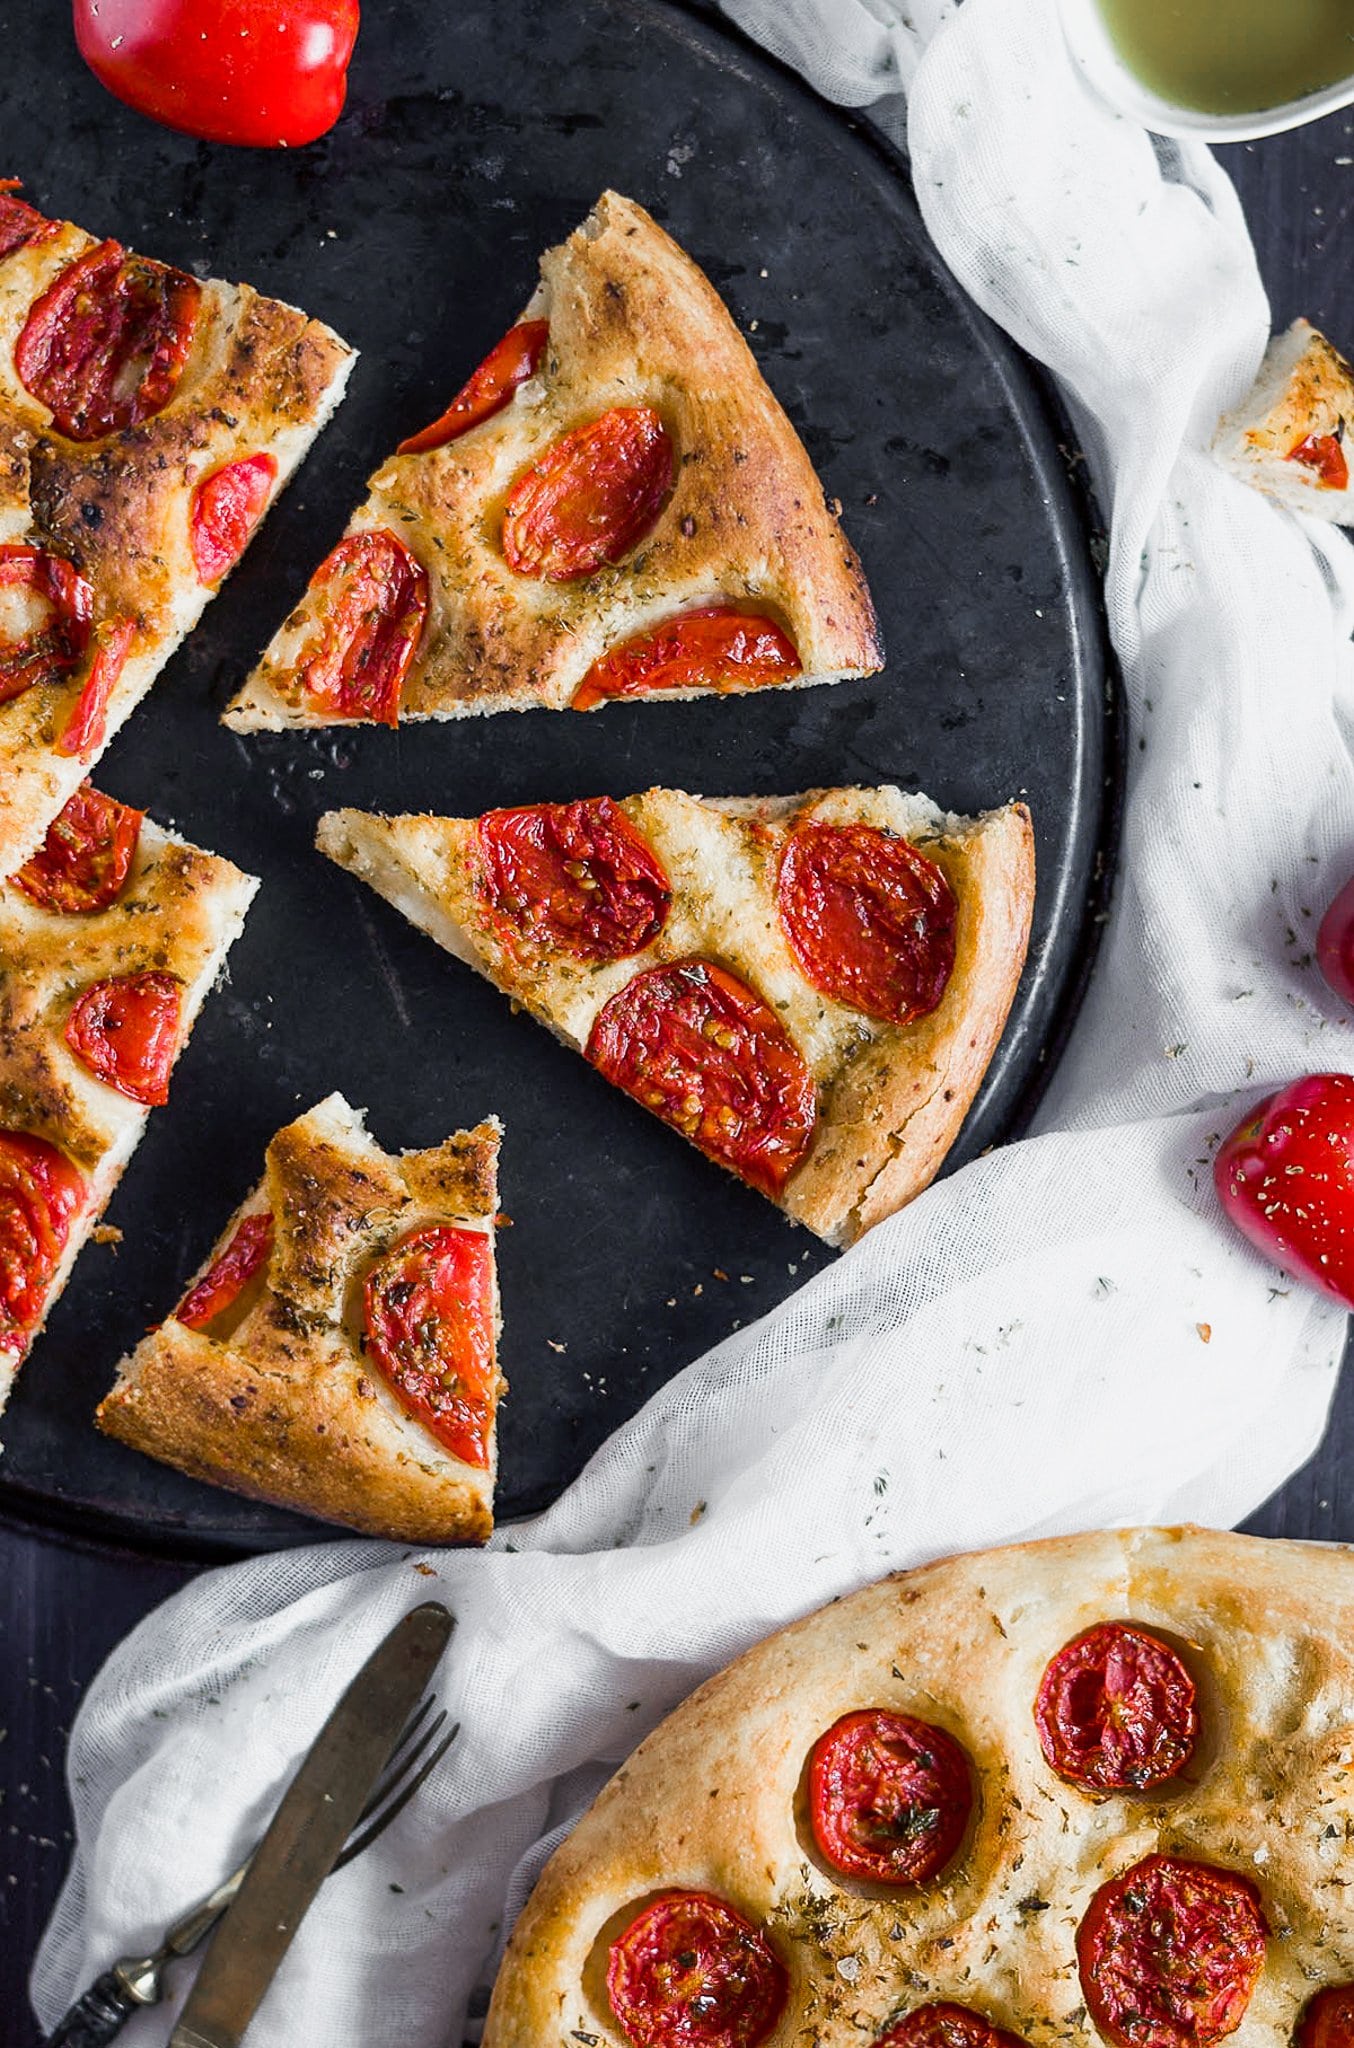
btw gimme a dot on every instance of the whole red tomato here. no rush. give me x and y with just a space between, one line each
268 72
1286 1178
1335 944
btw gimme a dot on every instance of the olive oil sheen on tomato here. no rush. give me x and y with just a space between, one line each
1233 56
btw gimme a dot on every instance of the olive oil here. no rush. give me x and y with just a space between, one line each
1233 56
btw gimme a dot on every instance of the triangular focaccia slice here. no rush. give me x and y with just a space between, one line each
615 504
110 937
809 988
337 1353
1288 436
147 420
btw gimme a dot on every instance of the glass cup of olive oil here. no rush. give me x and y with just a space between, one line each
1225 69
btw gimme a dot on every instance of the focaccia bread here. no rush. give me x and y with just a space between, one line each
615 504
1288 435
110 938
147 420
337 1354
1092 1790
810 988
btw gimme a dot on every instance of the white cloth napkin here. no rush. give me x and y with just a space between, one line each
1065 1334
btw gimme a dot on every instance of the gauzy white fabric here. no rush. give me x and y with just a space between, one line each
1065 1334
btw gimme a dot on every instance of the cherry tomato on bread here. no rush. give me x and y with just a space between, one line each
40 1192
889 1797
55 642
590 496
1285 1176
1324 455
870 920
126 1031
1170 1952
373 603
574 878
509 363
428 1305
1115 1710
697 1046
272 73
105 345
943 2025
85 859
716 647
691 1972
227 506
1328 2019
229 1273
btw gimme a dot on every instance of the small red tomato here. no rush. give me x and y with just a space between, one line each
1324 455
1286 1178
126 1031
271 73
227 506
1335 943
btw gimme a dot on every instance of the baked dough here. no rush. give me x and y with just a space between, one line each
179 912
284 1407
260 378
713 1799
633 321
1304 392
890 1098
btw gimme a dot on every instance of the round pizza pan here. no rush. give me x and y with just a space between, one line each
476 135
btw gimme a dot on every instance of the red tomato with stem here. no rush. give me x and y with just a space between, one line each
269 73
1285 1176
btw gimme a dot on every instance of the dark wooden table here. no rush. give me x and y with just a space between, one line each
62 1611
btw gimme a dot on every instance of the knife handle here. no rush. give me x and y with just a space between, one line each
98 2017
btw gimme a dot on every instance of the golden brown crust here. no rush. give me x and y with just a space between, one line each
890 1119
1305 389
891 1098
179 912
712 1799
633 321
283 1406
260 376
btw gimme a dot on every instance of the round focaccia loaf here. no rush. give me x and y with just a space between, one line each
715 1800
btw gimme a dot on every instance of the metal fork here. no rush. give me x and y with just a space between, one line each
137 1981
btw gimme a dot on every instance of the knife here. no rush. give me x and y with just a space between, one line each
309 1829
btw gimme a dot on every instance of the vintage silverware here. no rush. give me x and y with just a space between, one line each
135 1982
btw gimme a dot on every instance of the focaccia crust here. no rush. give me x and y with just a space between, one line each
179 912
633 321
261 377
283 1406
891 1098
713 1799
